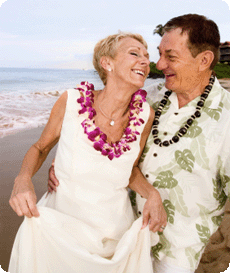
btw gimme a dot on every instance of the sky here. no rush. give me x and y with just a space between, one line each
62 33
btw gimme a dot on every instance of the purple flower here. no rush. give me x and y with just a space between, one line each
88 102
104 151
83 110
99 145
111 155
80 100
127 131
94 133
103 137
92 113
141 120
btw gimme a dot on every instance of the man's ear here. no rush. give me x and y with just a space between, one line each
106 63
206 59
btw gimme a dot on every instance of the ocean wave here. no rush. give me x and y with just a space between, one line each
28 95
25 111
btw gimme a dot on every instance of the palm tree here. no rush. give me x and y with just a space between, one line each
159 30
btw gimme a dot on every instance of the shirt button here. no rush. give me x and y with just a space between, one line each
146 175
165 133
139 212
176 113
155 154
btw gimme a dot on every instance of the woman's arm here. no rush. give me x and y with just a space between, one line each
23 198
153 213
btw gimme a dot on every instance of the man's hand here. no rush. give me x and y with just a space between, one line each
23 198
53 183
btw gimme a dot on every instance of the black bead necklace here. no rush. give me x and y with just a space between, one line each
183 130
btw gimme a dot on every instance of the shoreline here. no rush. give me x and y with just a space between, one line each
225 83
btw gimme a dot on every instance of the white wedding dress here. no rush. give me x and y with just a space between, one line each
88 225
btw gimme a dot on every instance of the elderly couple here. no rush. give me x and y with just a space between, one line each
176 159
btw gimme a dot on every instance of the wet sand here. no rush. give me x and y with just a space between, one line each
12 151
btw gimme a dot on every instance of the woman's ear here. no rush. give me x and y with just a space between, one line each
106 63
206 59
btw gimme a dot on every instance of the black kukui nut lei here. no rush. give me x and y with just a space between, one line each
183 130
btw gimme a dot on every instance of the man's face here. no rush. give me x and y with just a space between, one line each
180 68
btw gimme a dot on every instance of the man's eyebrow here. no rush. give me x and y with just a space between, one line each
168 50
171 50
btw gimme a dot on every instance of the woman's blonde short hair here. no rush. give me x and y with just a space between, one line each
108 47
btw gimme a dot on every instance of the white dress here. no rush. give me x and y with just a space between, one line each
88 225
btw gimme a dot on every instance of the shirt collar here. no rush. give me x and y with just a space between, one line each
212 101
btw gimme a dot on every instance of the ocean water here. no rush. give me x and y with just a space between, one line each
28 95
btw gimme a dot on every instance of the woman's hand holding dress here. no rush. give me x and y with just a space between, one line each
23 198
154 213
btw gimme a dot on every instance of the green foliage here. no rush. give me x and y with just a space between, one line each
185 159
192 256
159 30
217 220
204 233
165 180
156 249
163 246
214 113
176 195
132 196
170 210
194 130
222 70
154 72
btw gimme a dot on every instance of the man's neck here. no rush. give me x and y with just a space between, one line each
185 98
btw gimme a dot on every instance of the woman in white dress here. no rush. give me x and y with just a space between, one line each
88 224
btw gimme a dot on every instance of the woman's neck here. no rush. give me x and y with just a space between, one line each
114 100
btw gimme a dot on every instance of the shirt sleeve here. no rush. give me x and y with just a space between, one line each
152 92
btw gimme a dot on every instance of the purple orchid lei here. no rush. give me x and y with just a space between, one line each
96 135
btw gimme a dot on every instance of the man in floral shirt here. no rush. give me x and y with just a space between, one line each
185 168
187 156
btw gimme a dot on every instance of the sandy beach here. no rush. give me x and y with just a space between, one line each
12 151
225 83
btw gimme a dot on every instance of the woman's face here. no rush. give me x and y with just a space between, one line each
131 63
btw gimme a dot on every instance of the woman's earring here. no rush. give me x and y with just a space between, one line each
109 69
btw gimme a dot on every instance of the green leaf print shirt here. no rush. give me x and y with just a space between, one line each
192 175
